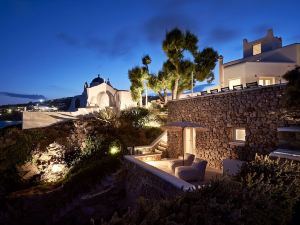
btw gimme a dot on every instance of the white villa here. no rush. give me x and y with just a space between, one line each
101 94
264 61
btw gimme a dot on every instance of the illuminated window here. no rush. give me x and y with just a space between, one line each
234 82
265 81
239 134
256 48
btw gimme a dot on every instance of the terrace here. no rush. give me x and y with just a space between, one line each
210 173
153 163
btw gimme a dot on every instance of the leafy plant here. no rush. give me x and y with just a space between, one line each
265 192
135 117
108 117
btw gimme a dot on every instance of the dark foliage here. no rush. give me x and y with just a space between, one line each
292 95
135 117
265 192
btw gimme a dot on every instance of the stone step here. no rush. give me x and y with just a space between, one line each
158 151
164 144
162 148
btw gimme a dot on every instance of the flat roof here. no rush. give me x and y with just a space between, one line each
241 60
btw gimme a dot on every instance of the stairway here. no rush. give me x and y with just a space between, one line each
161 147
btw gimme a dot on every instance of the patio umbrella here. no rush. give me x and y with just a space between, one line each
179 126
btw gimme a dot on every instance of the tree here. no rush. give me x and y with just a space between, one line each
146 60
175 45
137 77
292 94
160 84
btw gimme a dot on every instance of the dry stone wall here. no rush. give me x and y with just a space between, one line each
258 110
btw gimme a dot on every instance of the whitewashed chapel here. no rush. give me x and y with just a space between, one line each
101 94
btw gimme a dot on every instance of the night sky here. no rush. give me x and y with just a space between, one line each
51 48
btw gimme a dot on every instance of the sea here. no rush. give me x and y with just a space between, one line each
9 123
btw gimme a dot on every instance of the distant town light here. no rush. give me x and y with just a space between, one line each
42 100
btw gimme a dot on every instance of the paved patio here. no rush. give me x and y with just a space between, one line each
162 164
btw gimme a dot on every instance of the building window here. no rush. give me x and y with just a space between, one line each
265 81
256 48
234 82
239 134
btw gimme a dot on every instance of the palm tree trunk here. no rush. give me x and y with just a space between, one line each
174 93
161 97
141 101
165 97
178 95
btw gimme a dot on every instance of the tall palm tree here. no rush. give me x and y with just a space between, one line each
138 76
135 76
146 60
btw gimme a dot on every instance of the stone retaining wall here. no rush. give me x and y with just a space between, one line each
144 180
258 110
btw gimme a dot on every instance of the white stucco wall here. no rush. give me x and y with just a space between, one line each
273 63
125 100
94 97
252 71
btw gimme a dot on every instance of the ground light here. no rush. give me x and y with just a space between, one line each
114 148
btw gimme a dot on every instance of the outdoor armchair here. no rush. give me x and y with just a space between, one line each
195 172
188 160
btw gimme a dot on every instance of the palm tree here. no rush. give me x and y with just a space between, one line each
138 76
146 60
135 76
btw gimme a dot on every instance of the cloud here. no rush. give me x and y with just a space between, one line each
156 27
26 96
222 34
120 44
116 45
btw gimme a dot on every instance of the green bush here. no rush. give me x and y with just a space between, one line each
135 117
265 192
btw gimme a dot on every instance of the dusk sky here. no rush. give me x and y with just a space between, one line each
51 48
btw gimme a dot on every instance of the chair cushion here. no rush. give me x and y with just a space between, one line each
179 162
187 173
191 173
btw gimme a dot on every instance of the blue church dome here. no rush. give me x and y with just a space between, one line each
96 81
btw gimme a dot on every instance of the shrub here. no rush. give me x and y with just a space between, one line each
265 192
108 117
135 117
292 94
